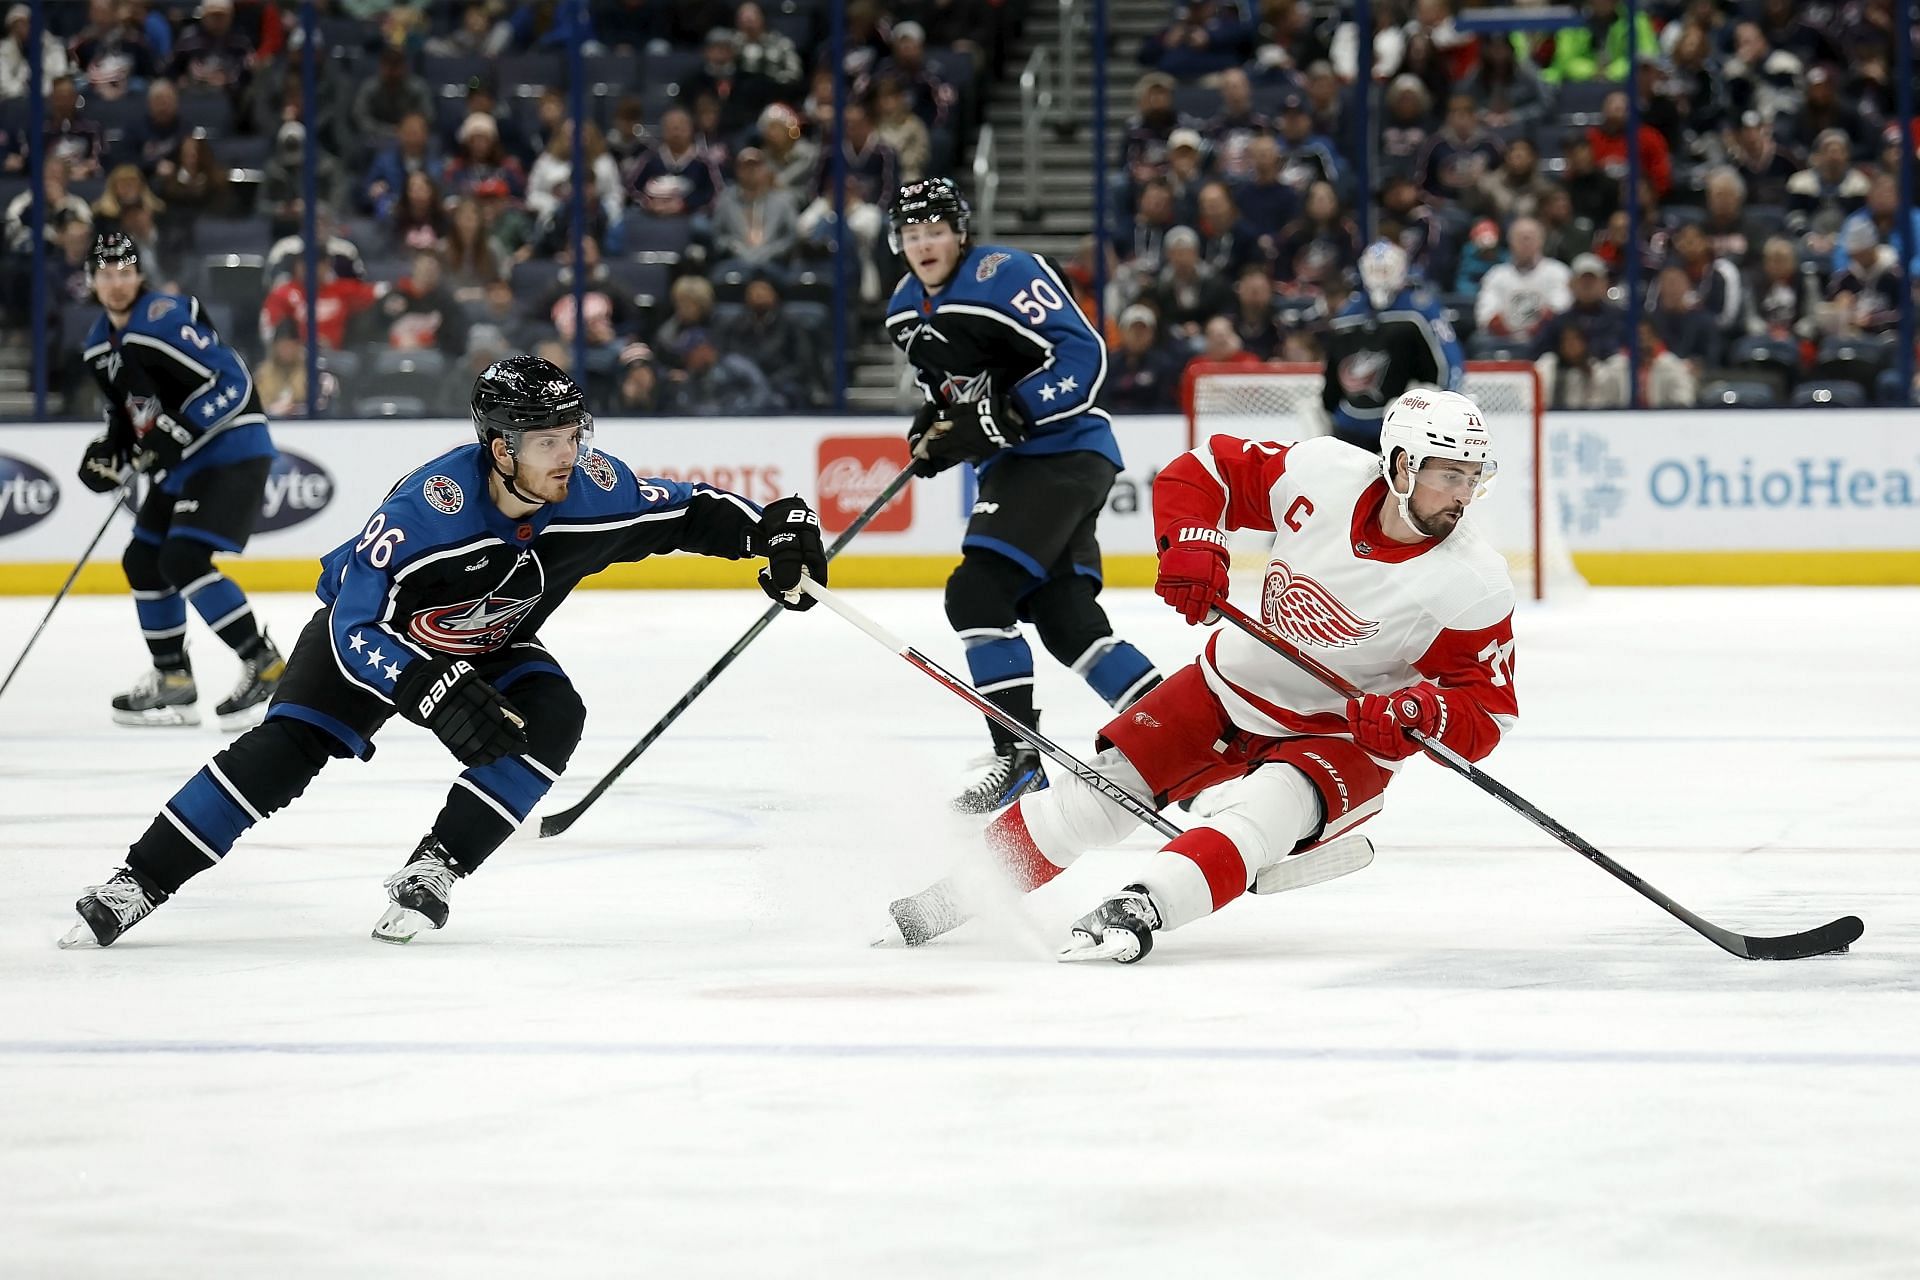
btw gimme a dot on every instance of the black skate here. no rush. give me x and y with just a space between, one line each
259 677
924 916
420 892
162 699
109 910
1120 929
1014 772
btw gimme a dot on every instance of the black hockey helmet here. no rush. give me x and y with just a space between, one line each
518 394
110 247
928 200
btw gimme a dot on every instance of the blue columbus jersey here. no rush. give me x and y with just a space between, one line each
1007 314
168 359
440 570
1374 355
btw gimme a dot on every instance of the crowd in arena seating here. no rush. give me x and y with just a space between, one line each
443 150
1769 149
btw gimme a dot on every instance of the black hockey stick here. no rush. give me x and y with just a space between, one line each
1835 936
119 496
1112 790
555 823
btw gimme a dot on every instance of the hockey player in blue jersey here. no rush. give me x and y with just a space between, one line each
1390 336
182 410
1010 370
432 613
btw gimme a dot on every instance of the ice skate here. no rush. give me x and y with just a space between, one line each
1014 772
1120 929
259 677
420 892
109 910
923 916
159 699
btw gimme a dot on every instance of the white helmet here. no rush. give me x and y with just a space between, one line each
1426 423
1383 272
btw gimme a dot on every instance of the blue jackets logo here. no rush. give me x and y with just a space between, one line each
28 495
298 489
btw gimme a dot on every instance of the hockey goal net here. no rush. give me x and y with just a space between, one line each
1282 402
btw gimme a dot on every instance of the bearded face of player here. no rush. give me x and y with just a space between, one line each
932 251
117 286
1442 488
542 467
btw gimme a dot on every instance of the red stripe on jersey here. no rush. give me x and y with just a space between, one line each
1186 493
1219 861
1319 723
1474 670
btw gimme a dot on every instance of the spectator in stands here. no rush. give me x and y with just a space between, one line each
1759 77
1457 159
1600 322
765 53
1783 297
1572 376
541 26
609 325
1404 134
708 137
1305 156
212 56
1427 65
1824 109
112 55
339 305
410 152
1254 319
1144 153
1328 106
676 179
638 389
78 141
62 208
1143 372
420 312
1228 242
1187 292
473 37
1220 352
393 94
869 161
553 230
1567 236
1863 294
1882 213
284 182
509 227
192 186
1139 243
740 94
1319 246
1608 140
900 129
865 221
1481 253
1754 155
1686 342
67 289
1516 188
1506 89
1689 90
126 189
710 383
692 302
756 225
627 136
482 158
1264 197
552 176
153 142
784 350
792 154
1731 233
1287 40
281 378
1204 38
1229 133
15 58
933 99
1802 35
499 313
1820 196
1716 282
1186 172
468 253
285 255
1517 297
1407 220
418 220
1389 46
1595 195
1597 48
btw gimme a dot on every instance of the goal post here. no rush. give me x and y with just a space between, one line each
1282 402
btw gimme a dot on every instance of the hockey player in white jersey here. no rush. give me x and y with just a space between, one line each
1377 573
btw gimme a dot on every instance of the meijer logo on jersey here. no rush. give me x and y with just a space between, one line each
298 489
28 495
854 470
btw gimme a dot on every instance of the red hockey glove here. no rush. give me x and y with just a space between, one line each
1378 721
1193 571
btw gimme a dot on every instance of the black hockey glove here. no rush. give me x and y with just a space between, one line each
161 445
928 424
465 712
103 467
790 536
981 428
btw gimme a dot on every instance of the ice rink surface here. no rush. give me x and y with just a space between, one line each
660 1046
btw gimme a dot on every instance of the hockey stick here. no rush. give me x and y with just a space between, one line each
119 497
555 823
1837 935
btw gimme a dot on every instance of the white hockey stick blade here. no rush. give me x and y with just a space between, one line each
1336 858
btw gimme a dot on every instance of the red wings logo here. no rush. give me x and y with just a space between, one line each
472 626
1306 612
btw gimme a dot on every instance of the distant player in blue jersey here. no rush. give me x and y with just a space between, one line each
181 408
1011 369
432 613
1390 336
